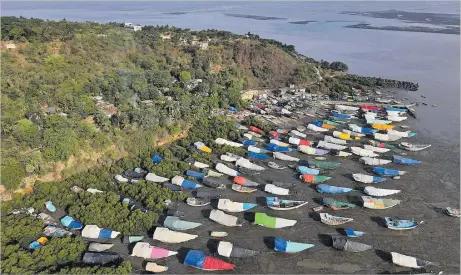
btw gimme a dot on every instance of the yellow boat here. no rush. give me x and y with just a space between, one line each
382 126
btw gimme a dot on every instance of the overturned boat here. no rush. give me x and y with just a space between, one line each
176 223
330 146
405 161
379 192
388 172
222 141
234 207
180 181
243 189
307 170
337 205
363 152
282 245
94 232
166 235
276 166
333 220
408 261
376 203
227 249
343 244
147 251
198 259
351 233
245 182
367 178
243 162
313 179
376 149
321 164
329 189
312 151
265 220
224 219
226 170
374 161
282 156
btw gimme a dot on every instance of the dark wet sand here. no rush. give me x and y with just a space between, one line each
426 190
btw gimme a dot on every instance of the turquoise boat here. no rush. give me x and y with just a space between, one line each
175 223
401 224
282 245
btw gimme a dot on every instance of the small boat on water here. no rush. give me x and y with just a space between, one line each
401 224
278 204
218 234
265 220
313 178
367 178
374 161
388 172
405 161
198 259
329 189
277 166
453 212
376 203
197 202
413 147
408 261
243 189
282 245
379 192
351 233
229 250
343 244
333 220
337 205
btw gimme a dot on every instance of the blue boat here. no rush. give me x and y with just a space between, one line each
306 170
190 184
254 155
401 224
68 221
341 116
351 233
156 159
329 189
317 123
387 172
195 174
282 245
405 161
395 109
368 130
276 148
247 142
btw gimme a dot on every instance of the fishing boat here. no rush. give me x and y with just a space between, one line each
333 220
166 235
376 203
362 152
282 156
396 118
379 192
321 164
401 224
374 161
243 189
388 172
155 268
367 178
334 140
312 151
229 250
298 141
226 170
198 259
224 219
400 134
405 161
343 244
257 150
323 125
175 223
202 147
351 233
222 141
382 126
346 108
316 128
343 136
413 147
243 162
329 189
278 204
382 100
330 146
256 130
282 245
265 220
313 178
453 212
234 207
277 166
370 108
306 170
197 202
337 205
99 247
275 148
180 181
218 234
245 182
381 144
375 149
147 251
272 189
408 261
212 183
299 134
378 121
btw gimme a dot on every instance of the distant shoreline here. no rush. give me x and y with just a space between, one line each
447 30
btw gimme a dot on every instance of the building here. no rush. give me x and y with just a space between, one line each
165 36
250 94
133 27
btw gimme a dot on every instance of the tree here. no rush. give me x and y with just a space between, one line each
27 132
339 66
185 76
12 173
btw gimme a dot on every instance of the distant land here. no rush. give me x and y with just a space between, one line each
412 17
447 30
256 17
176 13
305 22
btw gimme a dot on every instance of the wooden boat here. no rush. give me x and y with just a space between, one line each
337 205
218 234
243 189
408 261
413 147
333 220
278 204
401 224
453 212
376 203
282 245
197 202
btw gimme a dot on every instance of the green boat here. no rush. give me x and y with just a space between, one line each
326 121
272 222
337 205
323 164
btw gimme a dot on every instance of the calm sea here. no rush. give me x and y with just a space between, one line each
433 60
